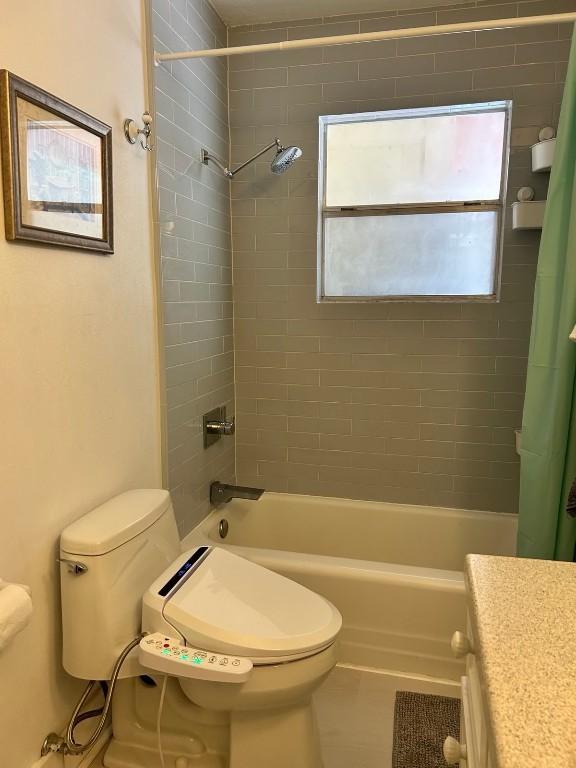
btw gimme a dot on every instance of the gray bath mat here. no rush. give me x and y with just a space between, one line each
421 723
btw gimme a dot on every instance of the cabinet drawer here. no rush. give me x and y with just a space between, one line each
473 721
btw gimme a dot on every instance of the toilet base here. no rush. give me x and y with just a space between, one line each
282 738
120 755
272 721
266 722
192 737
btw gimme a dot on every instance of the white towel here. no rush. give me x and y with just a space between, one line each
15 611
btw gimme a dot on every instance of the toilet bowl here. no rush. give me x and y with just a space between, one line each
224 604
272 720
233 652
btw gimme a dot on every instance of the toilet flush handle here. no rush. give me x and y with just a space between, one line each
73 566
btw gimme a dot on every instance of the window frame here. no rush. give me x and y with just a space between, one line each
498 205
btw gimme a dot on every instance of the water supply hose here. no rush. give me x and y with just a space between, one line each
68 745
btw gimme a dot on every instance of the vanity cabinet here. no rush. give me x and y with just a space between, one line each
519 646
473 750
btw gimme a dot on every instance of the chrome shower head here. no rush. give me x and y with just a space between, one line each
284 158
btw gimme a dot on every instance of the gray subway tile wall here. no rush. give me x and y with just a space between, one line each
403 402
191 100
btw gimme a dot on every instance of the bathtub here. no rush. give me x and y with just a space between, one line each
394 571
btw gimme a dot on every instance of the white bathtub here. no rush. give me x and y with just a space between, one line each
394 571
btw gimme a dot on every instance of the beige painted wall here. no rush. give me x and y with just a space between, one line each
79 404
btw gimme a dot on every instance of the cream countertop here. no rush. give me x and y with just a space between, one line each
524 621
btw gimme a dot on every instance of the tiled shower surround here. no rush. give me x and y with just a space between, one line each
404 402
191 113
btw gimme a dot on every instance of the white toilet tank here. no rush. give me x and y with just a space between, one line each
109 558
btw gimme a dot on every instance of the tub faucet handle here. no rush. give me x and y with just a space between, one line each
221 427
215 424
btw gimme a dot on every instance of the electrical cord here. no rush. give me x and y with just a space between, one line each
159 719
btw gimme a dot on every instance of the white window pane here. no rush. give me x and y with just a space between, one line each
424 159
433 254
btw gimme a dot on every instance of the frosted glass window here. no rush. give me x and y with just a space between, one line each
415 160
411 203
440 254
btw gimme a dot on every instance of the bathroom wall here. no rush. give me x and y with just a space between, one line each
407 402
191 113
79 378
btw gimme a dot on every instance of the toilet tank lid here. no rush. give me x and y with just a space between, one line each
115 522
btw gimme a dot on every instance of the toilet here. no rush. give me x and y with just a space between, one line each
244 647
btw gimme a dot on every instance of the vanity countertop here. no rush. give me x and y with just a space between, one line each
524 621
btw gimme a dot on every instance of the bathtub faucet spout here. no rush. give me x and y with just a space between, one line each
221 493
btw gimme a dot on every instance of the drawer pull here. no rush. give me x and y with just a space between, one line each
453 750
461 645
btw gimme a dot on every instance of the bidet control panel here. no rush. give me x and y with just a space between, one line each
165 654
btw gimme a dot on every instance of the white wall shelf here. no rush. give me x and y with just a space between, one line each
543 156
528 214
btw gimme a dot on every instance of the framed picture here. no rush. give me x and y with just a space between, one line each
56 169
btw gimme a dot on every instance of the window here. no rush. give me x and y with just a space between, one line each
411 203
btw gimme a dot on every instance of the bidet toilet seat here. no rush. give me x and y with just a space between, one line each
224 603
208 599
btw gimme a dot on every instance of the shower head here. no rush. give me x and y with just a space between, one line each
285 157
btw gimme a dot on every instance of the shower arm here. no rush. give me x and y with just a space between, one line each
206 157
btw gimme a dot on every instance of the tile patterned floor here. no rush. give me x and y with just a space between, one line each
355 709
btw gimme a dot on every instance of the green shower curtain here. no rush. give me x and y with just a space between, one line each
548 442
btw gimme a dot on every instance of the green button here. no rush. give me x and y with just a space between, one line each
197 660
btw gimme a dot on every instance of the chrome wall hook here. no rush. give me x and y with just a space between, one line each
131 131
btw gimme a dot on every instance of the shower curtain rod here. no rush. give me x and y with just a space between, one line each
369 37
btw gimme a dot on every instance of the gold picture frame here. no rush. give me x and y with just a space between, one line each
56 170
